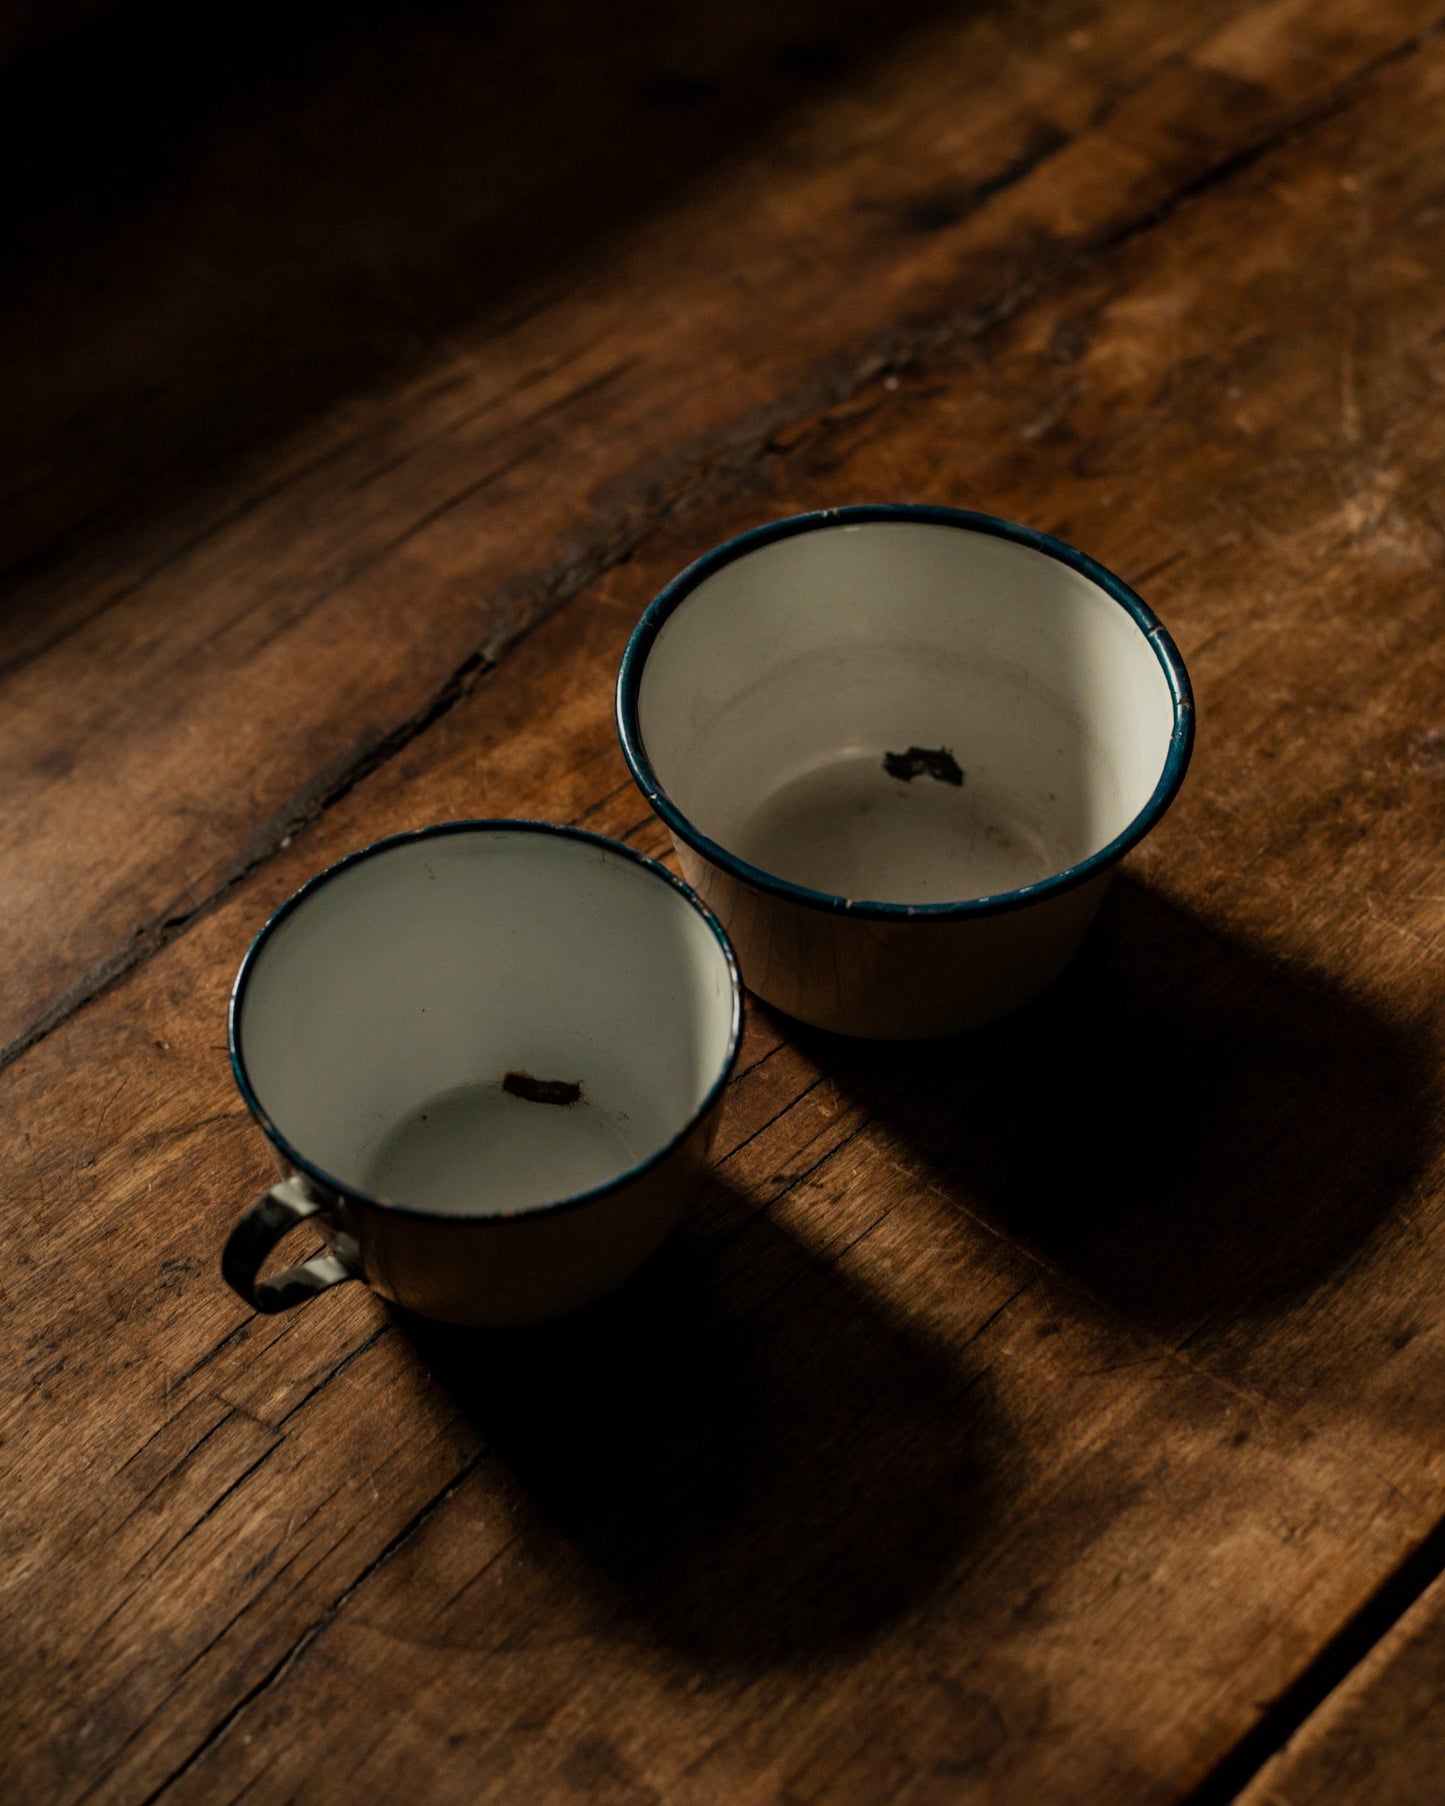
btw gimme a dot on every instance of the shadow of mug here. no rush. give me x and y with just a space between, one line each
744 1445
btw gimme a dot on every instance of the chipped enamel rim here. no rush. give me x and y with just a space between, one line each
492 825
644 635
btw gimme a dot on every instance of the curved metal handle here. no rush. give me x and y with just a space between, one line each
258 1232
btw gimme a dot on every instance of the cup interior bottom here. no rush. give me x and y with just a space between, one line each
482 1147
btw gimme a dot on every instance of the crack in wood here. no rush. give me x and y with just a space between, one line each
228 1412
150 1549
151 937
469 416
220 1499
763 1128
297 1649
221 1635
1292 131
743 1072
240 1333
334 1372
602 802
1324 1674
174 1417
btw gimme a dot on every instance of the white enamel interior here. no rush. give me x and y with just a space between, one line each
774 690
383 1014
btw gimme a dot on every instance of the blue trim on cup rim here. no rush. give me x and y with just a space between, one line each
669 599
492 824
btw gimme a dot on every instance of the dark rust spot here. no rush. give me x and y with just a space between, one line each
542 1091
934 762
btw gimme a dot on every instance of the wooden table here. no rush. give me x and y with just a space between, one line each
1053 1416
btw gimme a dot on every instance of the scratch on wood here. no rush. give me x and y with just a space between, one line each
994 1315
1349 399
110 1102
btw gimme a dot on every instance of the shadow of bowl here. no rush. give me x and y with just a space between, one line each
1188 1126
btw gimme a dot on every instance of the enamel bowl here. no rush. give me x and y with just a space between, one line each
900 749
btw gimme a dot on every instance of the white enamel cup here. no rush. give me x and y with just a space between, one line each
488 1057
900 750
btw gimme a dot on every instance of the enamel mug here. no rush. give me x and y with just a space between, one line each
900 749
488 1058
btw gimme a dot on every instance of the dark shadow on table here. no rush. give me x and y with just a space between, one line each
222 219
1191 1127
746 1447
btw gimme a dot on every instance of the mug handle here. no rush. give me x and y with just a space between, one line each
258 1232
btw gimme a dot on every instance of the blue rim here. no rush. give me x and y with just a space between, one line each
491 824
634 660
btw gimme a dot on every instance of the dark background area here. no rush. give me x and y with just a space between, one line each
218 221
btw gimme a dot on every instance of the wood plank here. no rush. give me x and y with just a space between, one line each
978 1438
1378 1737
253 642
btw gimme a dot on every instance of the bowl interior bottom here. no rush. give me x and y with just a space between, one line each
907 826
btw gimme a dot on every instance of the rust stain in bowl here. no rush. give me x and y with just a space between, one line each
542 1091
933 761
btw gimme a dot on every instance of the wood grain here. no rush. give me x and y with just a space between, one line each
1014 1419
422 457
